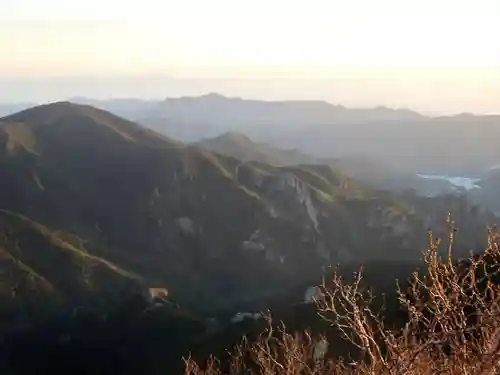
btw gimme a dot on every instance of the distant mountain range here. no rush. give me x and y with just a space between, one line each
457 145
94 207
398 138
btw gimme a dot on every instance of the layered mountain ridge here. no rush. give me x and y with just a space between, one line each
458 145
118 208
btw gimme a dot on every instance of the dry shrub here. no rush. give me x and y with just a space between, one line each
276 351
452 326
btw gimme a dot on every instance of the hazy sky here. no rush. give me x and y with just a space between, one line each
432 55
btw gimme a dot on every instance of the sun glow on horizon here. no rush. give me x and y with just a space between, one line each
411 43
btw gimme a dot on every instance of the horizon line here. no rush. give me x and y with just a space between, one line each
74 99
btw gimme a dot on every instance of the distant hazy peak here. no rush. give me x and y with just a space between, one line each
235 136
55 110
214 96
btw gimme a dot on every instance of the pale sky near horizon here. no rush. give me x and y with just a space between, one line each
442 54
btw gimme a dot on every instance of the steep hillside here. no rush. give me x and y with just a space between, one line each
44 270
217 232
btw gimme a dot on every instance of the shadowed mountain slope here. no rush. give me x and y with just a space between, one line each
141 210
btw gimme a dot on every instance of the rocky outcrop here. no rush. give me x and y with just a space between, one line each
241 316
291 186
157 294
186 225
312 294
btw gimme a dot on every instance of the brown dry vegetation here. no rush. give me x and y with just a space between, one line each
452 326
